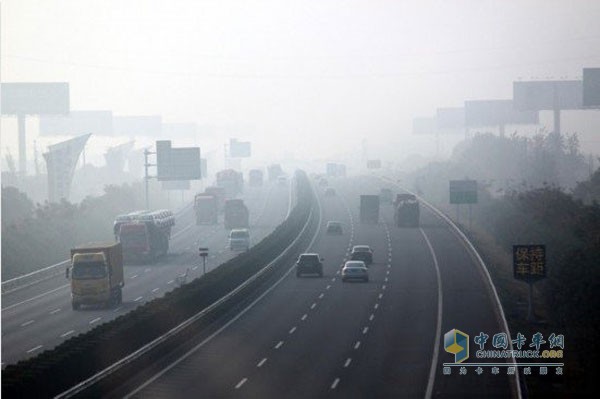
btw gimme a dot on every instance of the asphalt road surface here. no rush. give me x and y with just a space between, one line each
314 337
40 317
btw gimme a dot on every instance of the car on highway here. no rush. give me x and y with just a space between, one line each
362 252
239 240
330 192
309 263
334 228
355 270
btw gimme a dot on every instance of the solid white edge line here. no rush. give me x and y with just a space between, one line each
438 329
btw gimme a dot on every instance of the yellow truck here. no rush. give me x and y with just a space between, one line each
96 274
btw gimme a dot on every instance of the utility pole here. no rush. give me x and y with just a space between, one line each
146 177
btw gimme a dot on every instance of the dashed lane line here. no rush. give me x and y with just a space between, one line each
357 345
27 323
279 344
335 383
304 317
261 363
365 330
67 333
97 319
139 298
55 311
348 361
292 330
242 382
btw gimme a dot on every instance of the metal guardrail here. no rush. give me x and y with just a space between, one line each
46 273
82 386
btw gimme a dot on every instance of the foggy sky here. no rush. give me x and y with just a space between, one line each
326 73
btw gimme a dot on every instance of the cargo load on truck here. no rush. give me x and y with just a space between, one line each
369 209
274 171
236 214
231 181
406 211
255 178
206 209
96 274
144 234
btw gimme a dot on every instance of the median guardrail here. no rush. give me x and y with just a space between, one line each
89 364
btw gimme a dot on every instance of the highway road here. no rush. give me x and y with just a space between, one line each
316 337
40 317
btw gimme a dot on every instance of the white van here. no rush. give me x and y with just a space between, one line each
239 240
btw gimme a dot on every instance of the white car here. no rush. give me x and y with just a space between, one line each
239 240
355 270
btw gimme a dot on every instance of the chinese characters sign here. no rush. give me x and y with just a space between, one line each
529 262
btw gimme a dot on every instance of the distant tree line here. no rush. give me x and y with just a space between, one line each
39 235
537 190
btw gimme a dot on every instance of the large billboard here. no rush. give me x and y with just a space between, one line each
61 160
77 122
34 98
591 87
150 126
177 163
239 149
548 95
496 113
450 118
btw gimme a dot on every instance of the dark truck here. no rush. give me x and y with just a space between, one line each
406 211
369 209
236 214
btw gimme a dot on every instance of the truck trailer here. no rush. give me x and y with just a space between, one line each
369 209
144 234
406 211
236 214
96 274
206 209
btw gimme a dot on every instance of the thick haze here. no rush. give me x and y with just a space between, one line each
304 76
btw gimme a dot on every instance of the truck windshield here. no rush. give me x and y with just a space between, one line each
89 270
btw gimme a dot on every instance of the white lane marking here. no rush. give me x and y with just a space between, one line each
333 279
170 281
139 298
27 323
134 276
278 344
328 287
321 296
365 330
313 305
371 317
292 330
347 362
375 306
383 287
260 364
335 383
380 295
97 319
438 329
389 266
385 279
156 289
35 348
117 309
147 270
338 272
55 311
14 305
242 382
195 268
357 345
304 317
387 272
67 333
